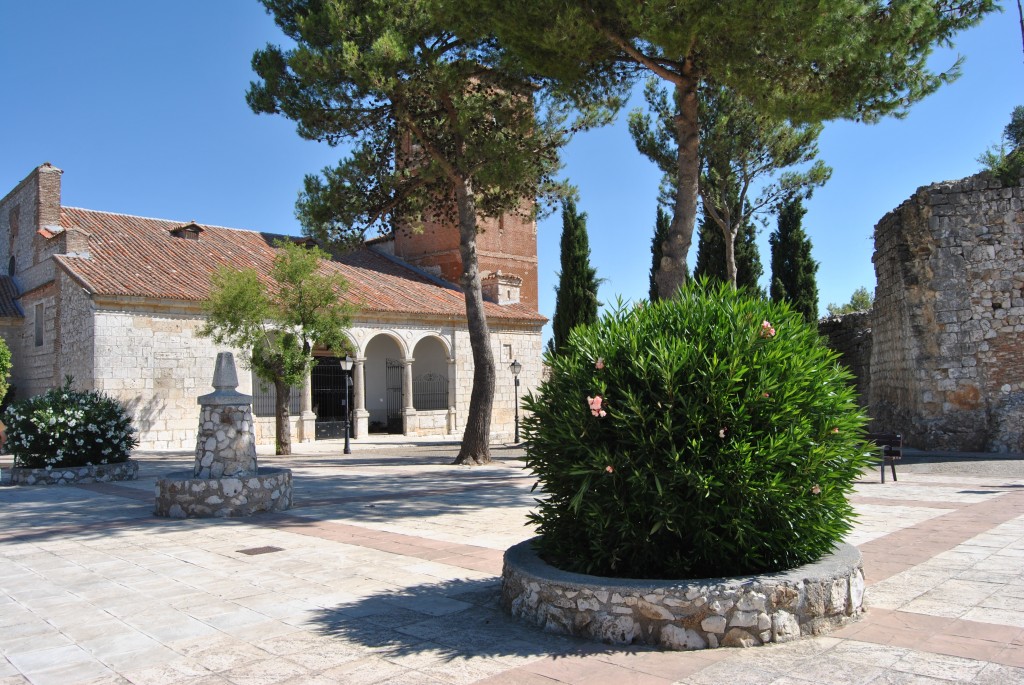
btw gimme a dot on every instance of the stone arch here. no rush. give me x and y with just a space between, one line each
430 374
384 355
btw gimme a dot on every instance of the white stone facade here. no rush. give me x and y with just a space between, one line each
116 303
151 357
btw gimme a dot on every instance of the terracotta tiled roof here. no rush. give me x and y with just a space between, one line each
136 256
8 298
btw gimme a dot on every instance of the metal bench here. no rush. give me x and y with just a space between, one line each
891 445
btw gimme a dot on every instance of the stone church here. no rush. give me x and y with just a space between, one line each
115 301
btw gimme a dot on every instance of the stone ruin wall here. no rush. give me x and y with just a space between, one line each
850 336
947 359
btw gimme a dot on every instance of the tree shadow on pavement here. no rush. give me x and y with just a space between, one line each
450 620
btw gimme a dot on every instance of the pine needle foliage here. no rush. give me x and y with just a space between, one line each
802 62
712 434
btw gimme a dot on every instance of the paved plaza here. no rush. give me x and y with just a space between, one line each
387 570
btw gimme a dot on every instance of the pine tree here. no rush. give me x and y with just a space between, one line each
576 295
793 270
661 226
802 62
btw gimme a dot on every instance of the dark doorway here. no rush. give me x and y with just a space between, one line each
327 381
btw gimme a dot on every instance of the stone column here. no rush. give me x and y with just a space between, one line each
226 443
452 390
409 426
307 419
361 417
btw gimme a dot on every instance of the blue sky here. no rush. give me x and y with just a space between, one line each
142 105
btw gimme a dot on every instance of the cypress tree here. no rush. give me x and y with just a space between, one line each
576 295
661 226
793 271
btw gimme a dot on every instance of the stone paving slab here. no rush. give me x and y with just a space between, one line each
387 571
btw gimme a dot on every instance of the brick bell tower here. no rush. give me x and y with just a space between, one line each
506 250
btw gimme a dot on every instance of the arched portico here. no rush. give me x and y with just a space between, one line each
433 386
383 371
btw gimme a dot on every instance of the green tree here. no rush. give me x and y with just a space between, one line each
5 371
711 261
661 225
794 272
576 294
739 148
276 322
443 127
802 62
861 300
1006 160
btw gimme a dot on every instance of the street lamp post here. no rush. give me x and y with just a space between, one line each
346 366
516 367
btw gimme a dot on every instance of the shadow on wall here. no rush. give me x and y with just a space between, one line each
144 412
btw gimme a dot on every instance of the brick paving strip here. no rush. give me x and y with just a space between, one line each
901 550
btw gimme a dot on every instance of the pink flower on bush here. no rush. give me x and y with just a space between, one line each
595 406
765 395
816 489
767 331
609 469
599 364
835 430
721 433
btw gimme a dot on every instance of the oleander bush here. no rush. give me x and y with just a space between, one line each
708 435
65 427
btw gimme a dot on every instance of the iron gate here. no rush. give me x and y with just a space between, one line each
327 381
430 391
393 392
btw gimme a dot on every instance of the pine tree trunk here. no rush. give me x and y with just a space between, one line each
730 255
476 438
282 422
672 271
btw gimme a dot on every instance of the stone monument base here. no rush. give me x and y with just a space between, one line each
182 495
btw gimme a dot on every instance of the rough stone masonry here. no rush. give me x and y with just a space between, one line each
225 480
947 368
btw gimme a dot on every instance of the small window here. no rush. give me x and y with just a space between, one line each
40 314
507 352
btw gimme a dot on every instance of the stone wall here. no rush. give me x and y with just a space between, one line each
686 614
850 336
157 364
947 368
507 345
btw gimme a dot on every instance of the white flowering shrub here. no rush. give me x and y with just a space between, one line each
65 427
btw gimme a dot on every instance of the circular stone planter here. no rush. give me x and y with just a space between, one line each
70 475
742 611
181 495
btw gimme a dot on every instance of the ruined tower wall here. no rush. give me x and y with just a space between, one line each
947 359
850 336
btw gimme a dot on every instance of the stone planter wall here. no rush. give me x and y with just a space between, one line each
686 614
180 495
69 475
